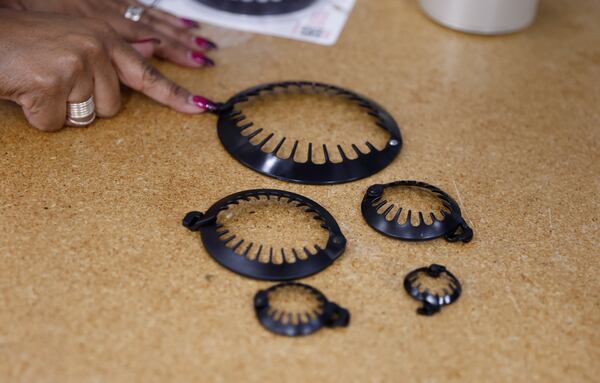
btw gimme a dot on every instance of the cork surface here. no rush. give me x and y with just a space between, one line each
100 282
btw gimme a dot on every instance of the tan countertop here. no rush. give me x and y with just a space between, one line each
100 282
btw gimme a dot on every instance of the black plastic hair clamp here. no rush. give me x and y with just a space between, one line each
216 239
326 314
452 226
258 7
432 301
233 123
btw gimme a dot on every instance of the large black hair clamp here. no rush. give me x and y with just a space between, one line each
258 7
452 226
233 123
243 256
316 311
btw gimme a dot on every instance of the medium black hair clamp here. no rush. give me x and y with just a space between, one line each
452 226
216 238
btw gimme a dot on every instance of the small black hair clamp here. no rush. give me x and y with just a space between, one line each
432 301
278 320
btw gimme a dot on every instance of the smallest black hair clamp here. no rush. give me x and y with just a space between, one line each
297 309
432 301
452 226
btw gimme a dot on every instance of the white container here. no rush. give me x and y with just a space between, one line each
489 17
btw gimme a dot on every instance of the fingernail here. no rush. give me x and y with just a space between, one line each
152 40
189 23
201 59
205 43
203 103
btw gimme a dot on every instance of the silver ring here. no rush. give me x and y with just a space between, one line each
134 13
81 113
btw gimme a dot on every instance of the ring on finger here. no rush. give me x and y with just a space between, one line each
134 13
81 113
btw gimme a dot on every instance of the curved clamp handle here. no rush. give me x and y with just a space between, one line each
195 219
462 233
434 270
428 309
335 316
375 191
220 108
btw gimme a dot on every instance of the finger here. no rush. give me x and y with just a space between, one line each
82 88
179 46
113 13
181 35
179 54
138 74
168 48
81 91
173 20
107 92
146 47
47 108
46 111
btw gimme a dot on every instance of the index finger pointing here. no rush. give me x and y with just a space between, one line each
140 75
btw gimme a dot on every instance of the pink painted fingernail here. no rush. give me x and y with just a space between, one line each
189 23
205 43
203 103
201 59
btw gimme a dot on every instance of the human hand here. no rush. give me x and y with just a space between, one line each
178 42
49 60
